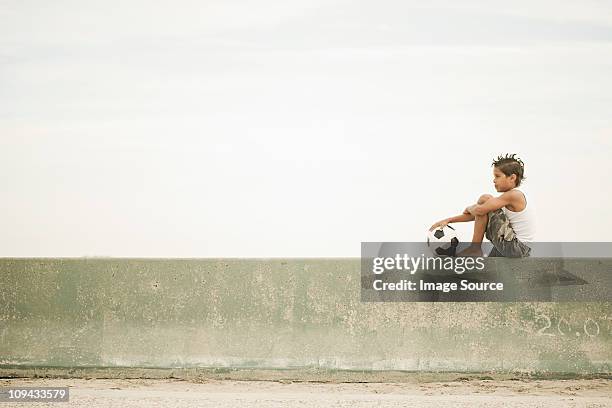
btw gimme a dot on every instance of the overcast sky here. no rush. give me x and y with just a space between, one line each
283 128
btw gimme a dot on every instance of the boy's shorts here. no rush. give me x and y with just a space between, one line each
502 236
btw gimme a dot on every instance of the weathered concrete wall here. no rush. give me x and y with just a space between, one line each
275 313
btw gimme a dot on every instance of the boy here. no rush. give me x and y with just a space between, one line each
507 221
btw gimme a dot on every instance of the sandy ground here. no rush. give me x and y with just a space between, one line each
213 393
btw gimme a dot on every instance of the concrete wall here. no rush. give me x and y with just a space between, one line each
275 313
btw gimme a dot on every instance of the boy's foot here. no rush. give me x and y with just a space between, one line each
471 251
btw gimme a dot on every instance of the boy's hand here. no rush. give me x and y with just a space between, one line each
439 225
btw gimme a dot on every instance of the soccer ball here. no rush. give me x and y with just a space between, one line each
443 241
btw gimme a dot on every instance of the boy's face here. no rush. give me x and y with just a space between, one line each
503 182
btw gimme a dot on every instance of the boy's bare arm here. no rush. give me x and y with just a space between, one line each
465 217
494 203
470 213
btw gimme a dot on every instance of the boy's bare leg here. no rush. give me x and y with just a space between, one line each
480 226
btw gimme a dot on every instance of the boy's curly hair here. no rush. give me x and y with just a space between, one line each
509 164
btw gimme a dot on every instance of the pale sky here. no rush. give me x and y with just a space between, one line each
294 129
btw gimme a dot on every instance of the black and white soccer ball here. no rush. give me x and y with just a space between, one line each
443 241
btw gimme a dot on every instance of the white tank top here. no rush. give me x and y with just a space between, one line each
522 222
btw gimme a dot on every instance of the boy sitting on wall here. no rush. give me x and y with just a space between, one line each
507 221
